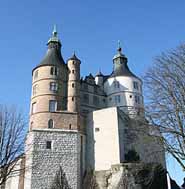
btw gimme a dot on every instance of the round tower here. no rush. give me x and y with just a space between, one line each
123 88
73 97
49 88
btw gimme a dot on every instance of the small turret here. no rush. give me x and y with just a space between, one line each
73 100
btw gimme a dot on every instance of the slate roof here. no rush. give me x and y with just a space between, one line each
53 55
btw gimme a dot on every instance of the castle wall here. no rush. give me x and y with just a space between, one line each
48 164
92 97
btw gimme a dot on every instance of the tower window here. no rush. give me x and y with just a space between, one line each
54 71
72 98
48 144
50 124
73 71
117 99
137 99
73 85
35 88
116 84
36 74
52 105
33 108
53 86
136 85
70 126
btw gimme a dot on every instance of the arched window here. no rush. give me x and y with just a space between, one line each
50 124
73 85
70 126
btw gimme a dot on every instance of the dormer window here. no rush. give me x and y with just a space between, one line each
116 84
54 71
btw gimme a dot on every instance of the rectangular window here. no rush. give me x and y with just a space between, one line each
137 99
54 71
117 99
136 85
48 145
33 108
36 74
97 129
34 92
53 86
95 89
116 84
85 86
95 100
86 98
52 105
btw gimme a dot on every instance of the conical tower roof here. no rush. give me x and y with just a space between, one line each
53 55
120 65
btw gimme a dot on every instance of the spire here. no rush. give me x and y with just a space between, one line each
54 37
99 73
119 46
119 52
74 57
55 31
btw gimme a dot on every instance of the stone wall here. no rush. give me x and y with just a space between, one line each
48 164
128 176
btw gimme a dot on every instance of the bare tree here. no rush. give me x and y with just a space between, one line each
89 180
165 106
60 181
12 137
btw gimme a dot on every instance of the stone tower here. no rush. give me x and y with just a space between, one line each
49 88
54 143
73 101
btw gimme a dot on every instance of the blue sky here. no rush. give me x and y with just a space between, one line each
91 29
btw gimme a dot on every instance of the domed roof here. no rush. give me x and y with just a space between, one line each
122 71
120 65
